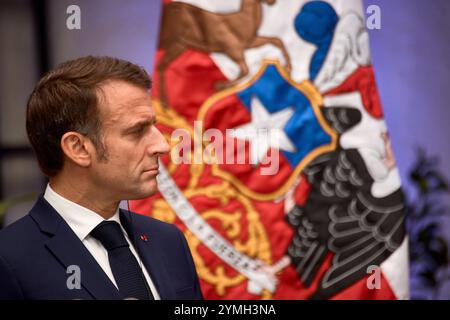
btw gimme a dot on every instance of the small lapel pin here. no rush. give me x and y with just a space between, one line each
144 237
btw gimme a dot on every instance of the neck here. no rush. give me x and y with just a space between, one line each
248 5
253 9
84 196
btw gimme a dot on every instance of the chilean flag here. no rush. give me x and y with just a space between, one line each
303 186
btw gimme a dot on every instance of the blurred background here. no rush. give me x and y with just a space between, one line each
410 55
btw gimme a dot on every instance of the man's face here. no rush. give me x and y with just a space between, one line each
133 144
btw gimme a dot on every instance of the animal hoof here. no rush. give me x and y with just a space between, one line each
288 68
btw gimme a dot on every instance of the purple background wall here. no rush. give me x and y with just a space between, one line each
124 29
411 55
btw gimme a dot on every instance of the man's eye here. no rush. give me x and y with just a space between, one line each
139 131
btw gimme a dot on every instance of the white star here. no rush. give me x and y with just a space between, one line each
265 131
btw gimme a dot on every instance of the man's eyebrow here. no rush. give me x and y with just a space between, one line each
146 122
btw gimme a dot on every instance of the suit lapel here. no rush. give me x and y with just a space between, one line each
69 250
150 255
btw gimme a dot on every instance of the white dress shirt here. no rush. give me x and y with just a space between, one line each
82 221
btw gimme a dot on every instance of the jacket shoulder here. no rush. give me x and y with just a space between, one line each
21 231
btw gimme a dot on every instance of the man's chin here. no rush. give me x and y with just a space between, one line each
140 196
146 191
140 190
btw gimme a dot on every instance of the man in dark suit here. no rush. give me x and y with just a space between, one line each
92 127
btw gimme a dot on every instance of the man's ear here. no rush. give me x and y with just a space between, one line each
77 148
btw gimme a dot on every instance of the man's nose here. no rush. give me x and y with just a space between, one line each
159 143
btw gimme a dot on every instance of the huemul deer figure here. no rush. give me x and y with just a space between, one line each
186 26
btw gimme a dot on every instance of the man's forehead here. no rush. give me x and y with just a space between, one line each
135 105
120 99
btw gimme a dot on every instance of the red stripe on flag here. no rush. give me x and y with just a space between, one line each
189 80
363 81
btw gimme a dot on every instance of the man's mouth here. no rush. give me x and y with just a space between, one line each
152 170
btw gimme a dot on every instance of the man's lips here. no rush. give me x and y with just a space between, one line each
152 170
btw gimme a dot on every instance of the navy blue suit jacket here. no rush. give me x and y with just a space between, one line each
36 251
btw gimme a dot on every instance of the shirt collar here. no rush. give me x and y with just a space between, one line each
80 219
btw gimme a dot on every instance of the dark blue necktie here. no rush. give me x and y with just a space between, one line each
125 268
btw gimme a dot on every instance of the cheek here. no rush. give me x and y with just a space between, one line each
125 157
123 154
133 163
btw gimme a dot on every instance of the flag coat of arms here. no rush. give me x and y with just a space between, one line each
290 190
